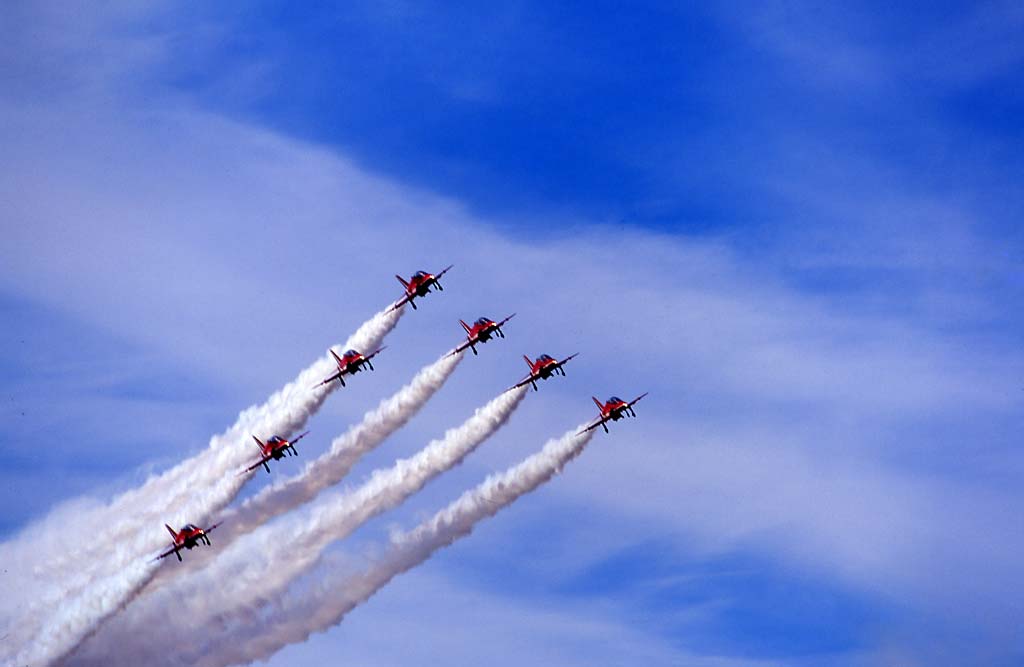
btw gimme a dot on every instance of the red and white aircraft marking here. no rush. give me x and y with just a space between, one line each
614 410
481 332
350 363
419 286
276 448
544 367
188 537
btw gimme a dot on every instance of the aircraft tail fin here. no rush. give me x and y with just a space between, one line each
465 326
402 280
259 443
171 531
599 404
528 362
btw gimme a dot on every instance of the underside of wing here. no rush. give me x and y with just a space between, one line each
331 379
165 554
401 302
525 381
593 425
635 400
258 463
569 358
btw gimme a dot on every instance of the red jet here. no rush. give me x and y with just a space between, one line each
276 448
349 363
189 536
481 332
419 285
544 367
614 410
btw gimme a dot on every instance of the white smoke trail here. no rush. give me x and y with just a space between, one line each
262 565
104 561
330 468
292 618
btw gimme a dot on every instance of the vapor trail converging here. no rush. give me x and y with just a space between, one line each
292 618
331 467
105 556
261 565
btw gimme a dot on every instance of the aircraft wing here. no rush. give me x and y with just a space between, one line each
262 460
462 346
525 381
502 323
635 400
446 269
206 530
401 302
298 437
569 358
597 422
165 554
337 374
375 352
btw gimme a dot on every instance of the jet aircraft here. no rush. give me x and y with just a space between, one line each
544 367
418 286
276 448
614 410
481 332
188 537
349 363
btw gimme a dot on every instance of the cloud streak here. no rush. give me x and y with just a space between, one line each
262 565
295 617
74 590
331 467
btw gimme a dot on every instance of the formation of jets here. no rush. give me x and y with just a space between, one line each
352 361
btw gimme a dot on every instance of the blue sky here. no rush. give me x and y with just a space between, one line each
797 227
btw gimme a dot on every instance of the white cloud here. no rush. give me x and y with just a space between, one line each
465 619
